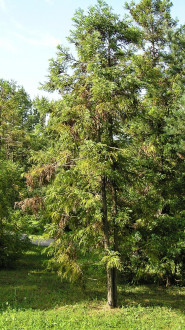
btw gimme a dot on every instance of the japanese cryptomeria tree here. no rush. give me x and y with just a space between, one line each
86 153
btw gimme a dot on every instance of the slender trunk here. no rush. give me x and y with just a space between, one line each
112 287
114 214
111 273
104 213
115 237
114 211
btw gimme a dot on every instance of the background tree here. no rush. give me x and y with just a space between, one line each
17 119
160 67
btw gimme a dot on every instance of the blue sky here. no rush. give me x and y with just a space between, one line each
30 30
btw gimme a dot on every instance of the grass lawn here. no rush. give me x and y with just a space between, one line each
31 298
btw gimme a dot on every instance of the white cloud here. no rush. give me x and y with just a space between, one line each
2 5
45 40
7 45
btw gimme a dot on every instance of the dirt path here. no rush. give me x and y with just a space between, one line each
41 242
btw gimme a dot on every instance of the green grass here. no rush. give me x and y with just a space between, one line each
31 298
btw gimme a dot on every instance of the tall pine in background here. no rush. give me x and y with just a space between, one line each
160 67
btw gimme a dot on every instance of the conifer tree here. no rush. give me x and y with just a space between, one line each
160 67
87 162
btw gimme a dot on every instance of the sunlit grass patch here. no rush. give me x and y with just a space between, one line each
33 298
85 317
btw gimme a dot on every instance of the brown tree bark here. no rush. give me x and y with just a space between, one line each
111 272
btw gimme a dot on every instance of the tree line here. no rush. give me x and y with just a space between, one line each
102 167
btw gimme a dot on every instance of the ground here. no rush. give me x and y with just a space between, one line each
34 298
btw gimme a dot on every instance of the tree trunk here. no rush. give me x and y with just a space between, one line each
115 238
112 287
111 273
104 213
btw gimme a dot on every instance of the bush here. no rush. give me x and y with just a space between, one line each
12 244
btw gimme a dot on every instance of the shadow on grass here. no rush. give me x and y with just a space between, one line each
30 286
151 295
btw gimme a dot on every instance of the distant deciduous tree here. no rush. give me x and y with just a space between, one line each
16 122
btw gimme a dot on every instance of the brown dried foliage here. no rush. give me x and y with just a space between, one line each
63 221
42 176
47 173
34 204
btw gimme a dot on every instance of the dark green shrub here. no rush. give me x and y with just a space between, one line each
12 244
